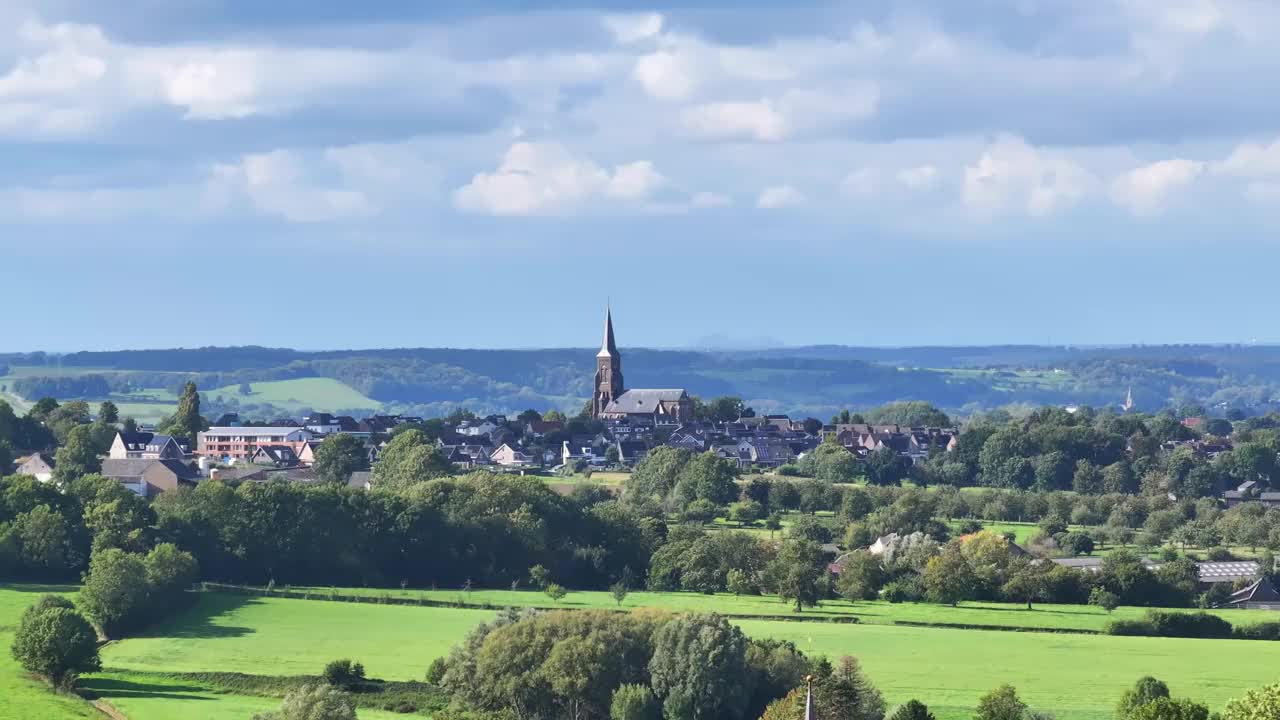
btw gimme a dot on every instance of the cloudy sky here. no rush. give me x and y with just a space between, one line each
327 174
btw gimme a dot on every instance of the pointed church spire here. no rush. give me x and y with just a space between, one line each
608 348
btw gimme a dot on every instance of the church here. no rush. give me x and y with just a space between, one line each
613 402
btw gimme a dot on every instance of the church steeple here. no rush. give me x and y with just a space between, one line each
608 348
608 384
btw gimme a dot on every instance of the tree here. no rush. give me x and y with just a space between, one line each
1260 704
745 512
343 674
886 467
1146 690
948 577
170 572
108 413
186 422
1028 583
313 702
55 641
618 591
408 459
539 576
1088 479
707 477
634 702
848 694
796 571
337 456
1170 709
115 591
555 592
245 389
699 669
655 475
77 457
1104 599
1001 703
861 576
739 583
6 457
912 710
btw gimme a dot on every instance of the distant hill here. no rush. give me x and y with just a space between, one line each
816 380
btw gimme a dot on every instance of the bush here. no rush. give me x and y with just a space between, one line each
1076 543
1158 623
1259 631
791 470
314 702
912 710
344 674
1220 554
55 641
436 670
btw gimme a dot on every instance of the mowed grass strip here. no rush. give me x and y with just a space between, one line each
20 695
993 615
1074 676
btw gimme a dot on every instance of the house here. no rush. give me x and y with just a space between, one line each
631 452
1250 491
307 453
765 452
145 446
508 456
38 466
476 428
240 443
1261 595
278 456
321 423
149 477
539 428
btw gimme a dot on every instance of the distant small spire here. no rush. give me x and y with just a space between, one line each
809 713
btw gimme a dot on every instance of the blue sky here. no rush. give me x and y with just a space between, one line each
327 175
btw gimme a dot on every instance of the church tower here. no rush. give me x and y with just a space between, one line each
608 369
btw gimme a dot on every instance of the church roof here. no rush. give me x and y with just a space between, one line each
643 401
608 348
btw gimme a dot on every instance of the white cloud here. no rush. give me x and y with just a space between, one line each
1251 160
861 182
1012 175
538 178
771 120
627 29
918 178
1145 190
758 120
280 183
781 196
665 75
710 199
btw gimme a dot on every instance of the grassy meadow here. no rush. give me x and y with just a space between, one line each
20 695
1071 675
315 393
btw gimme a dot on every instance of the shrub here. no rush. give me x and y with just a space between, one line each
1158 623
790 470
1220 554
56 642
1002 703
344 674
912 710
436 670
313 702
1259 631
1076 543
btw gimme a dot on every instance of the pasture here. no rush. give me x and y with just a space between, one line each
314 393
20 696
1075 676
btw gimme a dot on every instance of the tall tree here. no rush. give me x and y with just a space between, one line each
186 422
409 459
338 456
108 413
77 457
699 668
55 641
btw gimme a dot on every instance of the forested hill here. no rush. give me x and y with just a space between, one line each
804 380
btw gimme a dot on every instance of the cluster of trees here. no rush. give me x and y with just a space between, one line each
594 664
125 591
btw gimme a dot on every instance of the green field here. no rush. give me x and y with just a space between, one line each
1075 676
21 696
320 394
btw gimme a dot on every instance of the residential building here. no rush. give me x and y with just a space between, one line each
1261 595
149 477
38 466
240 443
278 456
508 456
145 446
